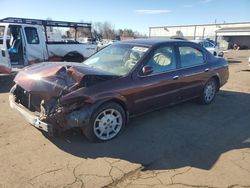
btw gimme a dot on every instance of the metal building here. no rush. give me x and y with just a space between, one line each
226 34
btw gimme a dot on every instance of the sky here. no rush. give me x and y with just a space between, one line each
138 15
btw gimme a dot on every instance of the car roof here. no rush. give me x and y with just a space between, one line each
151 41
198 40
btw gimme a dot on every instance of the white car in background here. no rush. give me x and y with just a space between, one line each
104 43
212 48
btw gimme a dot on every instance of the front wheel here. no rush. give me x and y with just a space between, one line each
106 123
209 92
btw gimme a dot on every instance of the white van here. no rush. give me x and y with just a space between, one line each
26 41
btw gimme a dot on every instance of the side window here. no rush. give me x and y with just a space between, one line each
202 44
31 35
206 44
162 60
190 56
210 45
2 28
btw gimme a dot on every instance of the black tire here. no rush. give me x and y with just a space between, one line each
73 57
90 130
209 92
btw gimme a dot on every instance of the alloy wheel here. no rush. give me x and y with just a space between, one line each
209 91
108 124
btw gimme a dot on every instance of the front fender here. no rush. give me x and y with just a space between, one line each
117 97
81 117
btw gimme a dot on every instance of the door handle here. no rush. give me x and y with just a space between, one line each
24 50
206 70
3 53
175 77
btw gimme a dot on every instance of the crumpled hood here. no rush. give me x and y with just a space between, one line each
49 78
36 71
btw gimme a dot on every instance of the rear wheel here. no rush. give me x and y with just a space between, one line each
73 57
209 92
106 123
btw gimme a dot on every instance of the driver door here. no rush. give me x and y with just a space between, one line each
161 87
5 66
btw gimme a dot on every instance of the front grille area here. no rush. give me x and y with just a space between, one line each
26 99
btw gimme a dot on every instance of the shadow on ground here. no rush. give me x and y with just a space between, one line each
246 70
185 135
234 61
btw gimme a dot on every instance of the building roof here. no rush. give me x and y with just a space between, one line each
193 25
234 29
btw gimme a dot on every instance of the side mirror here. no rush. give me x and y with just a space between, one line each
146 70
221 54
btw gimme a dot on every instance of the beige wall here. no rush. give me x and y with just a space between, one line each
203 31
192 30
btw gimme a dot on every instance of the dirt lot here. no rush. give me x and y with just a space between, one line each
183 146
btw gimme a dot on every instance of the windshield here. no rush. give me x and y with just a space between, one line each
206 44
117 59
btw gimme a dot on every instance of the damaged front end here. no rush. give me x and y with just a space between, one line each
52 98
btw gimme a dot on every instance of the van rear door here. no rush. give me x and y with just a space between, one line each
5 66
35 47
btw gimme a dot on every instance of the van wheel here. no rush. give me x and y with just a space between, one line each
209 92
105 123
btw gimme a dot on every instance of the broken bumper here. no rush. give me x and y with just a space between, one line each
29 116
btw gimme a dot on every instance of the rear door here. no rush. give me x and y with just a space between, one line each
194 70
5 66
35 48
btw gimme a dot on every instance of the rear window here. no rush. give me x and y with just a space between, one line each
190 56
31 35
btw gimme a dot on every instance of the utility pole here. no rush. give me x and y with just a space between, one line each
194 32
203 34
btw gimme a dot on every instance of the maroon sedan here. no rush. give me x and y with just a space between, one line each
120 81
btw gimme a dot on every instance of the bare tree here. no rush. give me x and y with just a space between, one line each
104 29
101 30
